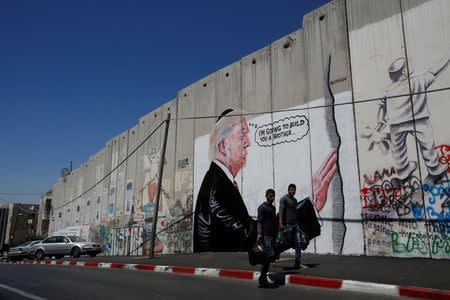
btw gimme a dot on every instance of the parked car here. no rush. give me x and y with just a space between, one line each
59 246
22 251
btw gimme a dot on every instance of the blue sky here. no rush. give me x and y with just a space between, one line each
73 74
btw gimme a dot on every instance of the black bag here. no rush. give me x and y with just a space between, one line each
304 240
283 241
309 224
257 254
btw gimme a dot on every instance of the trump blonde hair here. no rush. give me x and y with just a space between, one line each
222 128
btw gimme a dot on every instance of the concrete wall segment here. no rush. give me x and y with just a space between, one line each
374 46
427 35
256 104
326 35
434 212
184 169
106 182
256 82
228 88
288 71
130 179
205 104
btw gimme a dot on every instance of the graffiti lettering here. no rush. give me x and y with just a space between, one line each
444 154
414 243
377 242
379 176
388 196
376 218
441 244
437 191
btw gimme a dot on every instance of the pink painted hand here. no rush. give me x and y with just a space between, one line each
322 179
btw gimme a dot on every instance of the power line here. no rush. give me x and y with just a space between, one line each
110 172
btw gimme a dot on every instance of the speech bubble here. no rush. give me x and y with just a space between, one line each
286 130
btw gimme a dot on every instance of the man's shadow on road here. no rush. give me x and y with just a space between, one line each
279 278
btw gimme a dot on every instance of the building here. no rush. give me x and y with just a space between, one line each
45 207
21 223
4 232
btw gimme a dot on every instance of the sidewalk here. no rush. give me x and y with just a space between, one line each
416 272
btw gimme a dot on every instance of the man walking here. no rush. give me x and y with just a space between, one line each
288 217
267 229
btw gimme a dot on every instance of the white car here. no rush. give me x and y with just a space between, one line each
61 245
22 251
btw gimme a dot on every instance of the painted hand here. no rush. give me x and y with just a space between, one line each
322 179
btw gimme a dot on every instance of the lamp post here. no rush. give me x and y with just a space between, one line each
158 192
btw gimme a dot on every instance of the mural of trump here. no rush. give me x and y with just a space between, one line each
221 219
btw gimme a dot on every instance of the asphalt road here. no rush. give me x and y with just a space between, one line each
61 282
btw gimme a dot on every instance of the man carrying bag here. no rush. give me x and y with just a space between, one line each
267 230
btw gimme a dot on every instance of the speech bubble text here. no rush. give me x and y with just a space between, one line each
287 130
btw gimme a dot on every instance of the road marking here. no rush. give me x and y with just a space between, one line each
163 269
370 287
20 292
207 272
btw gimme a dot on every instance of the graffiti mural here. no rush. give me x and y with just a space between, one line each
404 214
223 218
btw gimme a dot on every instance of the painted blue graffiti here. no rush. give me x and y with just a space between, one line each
417 210
438 193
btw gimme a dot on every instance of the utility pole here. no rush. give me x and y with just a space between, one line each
158 192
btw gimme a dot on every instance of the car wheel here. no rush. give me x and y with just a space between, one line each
40 255
76 252
93 254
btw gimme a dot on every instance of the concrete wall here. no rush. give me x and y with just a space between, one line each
351 107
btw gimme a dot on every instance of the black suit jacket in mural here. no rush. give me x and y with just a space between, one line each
221 221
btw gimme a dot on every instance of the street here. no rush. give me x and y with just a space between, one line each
57 282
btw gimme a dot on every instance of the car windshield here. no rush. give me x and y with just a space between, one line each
76 239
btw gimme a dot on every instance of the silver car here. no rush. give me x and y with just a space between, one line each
22 251
61 245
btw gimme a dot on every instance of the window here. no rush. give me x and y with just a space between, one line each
50 240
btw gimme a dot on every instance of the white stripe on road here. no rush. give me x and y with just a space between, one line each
130 266
207 272
370 287
20 292
163 269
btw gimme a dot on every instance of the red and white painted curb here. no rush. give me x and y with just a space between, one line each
340 284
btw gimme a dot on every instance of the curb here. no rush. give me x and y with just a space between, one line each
323 282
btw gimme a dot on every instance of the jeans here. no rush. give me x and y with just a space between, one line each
294 229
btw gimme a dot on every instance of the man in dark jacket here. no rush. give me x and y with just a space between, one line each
267 229
221 220
288 216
